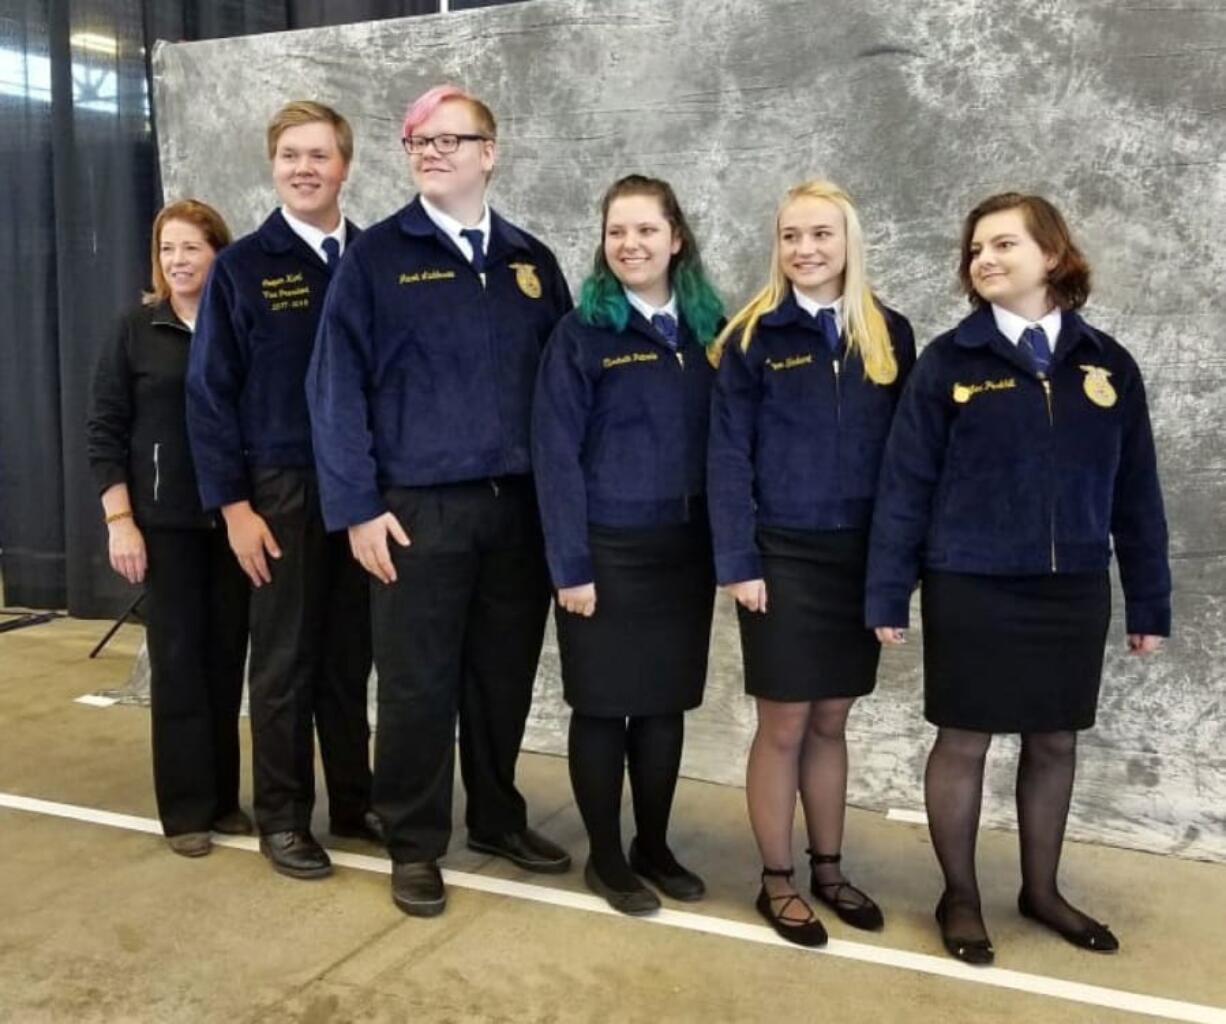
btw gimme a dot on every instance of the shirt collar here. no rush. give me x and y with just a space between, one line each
812 308
452 227
647 309
313 237
1011 325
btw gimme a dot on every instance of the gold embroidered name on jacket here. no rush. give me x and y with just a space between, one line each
790 363
289 291
608 362
963 393
418 276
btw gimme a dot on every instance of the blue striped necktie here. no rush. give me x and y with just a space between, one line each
1035 340
666 327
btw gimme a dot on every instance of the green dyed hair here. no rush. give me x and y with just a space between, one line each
602 300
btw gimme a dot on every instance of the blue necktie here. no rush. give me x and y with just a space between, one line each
830 329
332 252
666 326
1035 340
476 238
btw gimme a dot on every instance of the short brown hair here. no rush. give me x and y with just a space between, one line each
203 216
1068 281
308 112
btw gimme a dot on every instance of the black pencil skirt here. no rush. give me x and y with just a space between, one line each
1014 653
811 644
644 651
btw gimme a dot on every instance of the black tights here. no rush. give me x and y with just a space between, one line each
601 750
953 789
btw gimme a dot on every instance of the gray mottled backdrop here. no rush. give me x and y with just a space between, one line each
920 109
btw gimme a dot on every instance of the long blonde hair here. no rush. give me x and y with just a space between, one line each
867 334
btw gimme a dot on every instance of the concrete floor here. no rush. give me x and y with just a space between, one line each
103 924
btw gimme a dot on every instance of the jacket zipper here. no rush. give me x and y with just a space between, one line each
157 470
838 396
1051 423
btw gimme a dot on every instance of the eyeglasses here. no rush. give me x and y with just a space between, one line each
443 144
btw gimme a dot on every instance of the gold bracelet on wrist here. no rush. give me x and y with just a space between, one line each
114 517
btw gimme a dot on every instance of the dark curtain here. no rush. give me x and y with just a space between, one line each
80 188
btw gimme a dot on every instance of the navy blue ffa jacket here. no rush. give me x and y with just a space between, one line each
797 434
991 469
619 435
422 373
246 407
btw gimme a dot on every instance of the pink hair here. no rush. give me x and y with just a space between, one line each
428 102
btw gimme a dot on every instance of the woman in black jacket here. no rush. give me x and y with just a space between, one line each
161 536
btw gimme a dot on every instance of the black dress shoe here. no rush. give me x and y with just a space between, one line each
977 952
296 854
367 827
417 888
528 849
810 933
1094 936
856 909
635 902
672 879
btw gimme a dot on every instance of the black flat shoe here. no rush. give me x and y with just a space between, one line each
635 902
417 888
801 933
977 952
296 854
859 912
1094 936
674 881
367 827
527 849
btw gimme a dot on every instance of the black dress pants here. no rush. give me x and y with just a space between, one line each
197 637
310 662
458 633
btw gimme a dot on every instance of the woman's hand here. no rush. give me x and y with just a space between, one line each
127 550
250 540
1141 643
580 600
891 636
368 542
749 594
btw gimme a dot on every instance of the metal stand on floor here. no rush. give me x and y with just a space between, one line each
27 619
128 612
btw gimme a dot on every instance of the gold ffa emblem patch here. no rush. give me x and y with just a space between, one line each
527 279
1098 387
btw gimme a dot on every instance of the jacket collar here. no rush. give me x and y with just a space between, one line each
162 314
277 238
979 330
787 312
505 237
641 325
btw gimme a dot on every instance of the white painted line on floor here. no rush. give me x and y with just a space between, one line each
910 817
946 967
96 700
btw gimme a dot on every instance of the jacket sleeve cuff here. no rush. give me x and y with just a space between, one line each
572 571
881 610
354 510
108 474
737 568
1147 618
217 494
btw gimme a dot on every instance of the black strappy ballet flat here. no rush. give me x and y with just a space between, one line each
803 933
860 913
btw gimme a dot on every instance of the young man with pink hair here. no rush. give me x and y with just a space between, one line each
420 390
